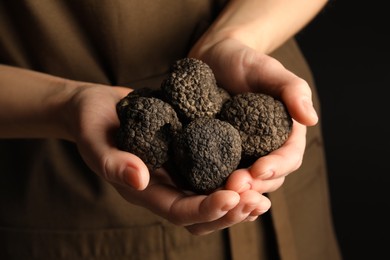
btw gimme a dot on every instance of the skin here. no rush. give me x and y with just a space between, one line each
236 48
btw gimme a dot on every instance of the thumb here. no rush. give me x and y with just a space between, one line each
298 99
125 169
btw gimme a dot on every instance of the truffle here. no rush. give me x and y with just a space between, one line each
206 152
192 90
263 122
147 127
197 130
122 106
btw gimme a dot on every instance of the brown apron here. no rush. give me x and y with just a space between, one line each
54 207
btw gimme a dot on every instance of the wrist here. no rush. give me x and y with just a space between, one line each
62 114
32 104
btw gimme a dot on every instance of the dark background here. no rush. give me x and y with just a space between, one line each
348 49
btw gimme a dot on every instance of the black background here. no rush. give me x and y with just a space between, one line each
348 48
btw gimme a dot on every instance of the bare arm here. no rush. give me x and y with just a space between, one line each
263 25
32 104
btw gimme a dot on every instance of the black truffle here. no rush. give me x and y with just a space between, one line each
206 152
122 106
263 122
197 130
192 90
147 127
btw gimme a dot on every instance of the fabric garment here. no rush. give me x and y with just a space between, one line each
53 207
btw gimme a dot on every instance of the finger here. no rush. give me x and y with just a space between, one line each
242 180
251 204
251 218
114 165
125 169
268 75
180 208
297 96
284 160
239 181
267 186
198 209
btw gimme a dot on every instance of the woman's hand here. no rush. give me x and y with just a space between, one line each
239 68
199 214
236 47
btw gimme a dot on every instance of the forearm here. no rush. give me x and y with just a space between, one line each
263 25
32 104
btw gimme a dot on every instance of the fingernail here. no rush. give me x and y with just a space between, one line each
130 177
308 106
268 174
251 218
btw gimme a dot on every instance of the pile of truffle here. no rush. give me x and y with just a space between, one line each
196 129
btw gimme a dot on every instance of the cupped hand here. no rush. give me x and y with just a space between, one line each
199 214
238 69
93 121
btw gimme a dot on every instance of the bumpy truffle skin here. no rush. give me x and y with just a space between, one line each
147 128
121 107
263 122
192 90
206 152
